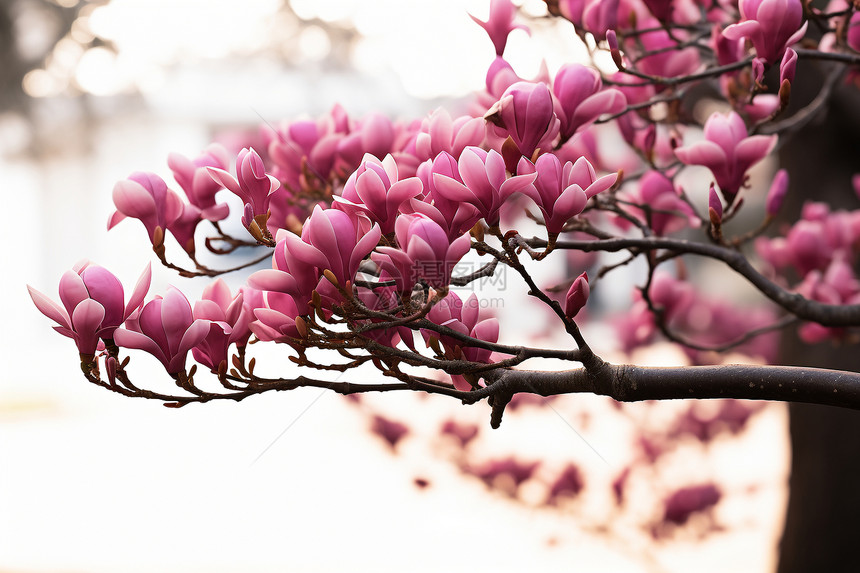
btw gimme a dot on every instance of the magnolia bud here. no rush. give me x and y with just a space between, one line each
715 207
758 71
577 296
776 195
614 50
788 66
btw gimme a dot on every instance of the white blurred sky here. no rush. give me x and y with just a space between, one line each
93 482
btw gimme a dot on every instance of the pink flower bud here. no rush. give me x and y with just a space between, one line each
776 195
577 296
525 114
758 70
715 206
252 184
788 66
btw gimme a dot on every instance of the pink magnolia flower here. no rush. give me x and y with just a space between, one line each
577 296
253 185
375 190
384 299
306 148
332 241
289 274
373 135
661 9
500 23
229 318
93 304
166 328
837 285
276 318
664 59
771 26
561 192
776 194
196 182
580 98
424 252
669 213
145 196
525 113
485 184
464 317
439 133
455 217
727 151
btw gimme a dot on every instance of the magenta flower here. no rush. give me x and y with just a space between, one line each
424 252
332 241
776 194
254 186
669 213
525 114
166 328
93 304
145 196
727 151
276 319
439 133
561 192
485 184
665 59
455 217
600 16
373 135
229 318
577 296
500 23
196 182
305 148
661 9
288 274
375 191
771 26
580 98
464 317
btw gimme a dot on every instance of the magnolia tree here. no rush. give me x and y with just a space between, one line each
368 224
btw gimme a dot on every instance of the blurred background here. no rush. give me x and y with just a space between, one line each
304 481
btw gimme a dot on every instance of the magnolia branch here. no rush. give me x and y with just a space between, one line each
796 304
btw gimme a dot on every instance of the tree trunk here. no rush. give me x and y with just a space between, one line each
822 525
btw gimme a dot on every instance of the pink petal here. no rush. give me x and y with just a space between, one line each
86 322
72 291
138 341
140 290
49 308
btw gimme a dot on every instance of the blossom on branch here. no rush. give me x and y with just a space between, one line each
253 185
561 192
484 183
727 151
166 328
195 181
93 304
770 25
